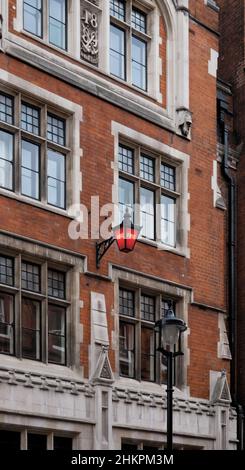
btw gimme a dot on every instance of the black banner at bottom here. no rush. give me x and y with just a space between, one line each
110 459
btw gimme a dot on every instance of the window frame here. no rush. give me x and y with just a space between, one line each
44 144
44 299
45 25
129 33
140 323
154 186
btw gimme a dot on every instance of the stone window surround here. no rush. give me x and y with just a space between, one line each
182 297
177 25
122 133
74 266
10 83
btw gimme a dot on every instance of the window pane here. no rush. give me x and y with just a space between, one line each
62 443
126 302
139 63
147 354
6 324
56 334
6 270
117 52
56 284
30 276
33 16
58 23
147 168
56 179
6 160
37 442
126 349
6 108
56 130
9 440
147 308
126 159
30 314
30 119
126 198
117 9
168 177
147 213
168 220
139 20
30 169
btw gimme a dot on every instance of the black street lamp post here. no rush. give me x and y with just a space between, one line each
169 330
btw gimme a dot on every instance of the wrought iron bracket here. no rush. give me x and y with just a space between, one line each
102 248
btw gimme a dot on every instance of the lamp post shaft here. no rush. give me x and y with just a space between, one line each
170 403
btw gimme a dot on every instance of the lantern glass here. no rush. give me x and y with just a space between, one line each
126 235
169 336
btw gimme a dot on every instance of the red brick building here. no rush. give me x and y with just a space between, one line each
231 73
110 104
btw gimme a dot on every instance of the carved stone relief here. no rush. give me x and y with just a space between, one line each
184 122
89 33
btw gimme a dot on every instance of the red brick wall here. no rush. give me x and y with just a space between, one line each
205 271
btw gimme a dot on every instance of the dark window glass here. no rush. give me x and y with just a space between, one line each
56 334
9 440
126 159
30 314
147 213
139 20
30 276
126 303
168 177
147 354
56 179
127 349
56 130
147 308
6 324
139 63
37 442
6 160
56 284
168 210
33 16
30 161
147 168
117 9
30 119
62 443
6 270
58 23
6 109
117 52
129 447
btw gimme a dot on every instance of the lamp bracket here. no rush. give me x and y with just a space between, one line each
102 248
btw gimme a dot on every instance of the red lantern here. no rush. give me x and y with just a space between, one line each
126 234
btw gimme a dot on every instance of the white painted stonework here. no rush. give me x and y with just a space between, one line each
213 63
